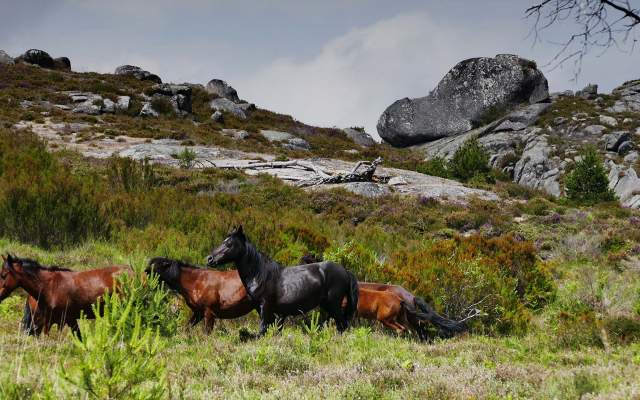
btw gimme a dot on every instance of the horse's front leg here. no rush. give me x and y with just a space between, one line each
267 318
196 317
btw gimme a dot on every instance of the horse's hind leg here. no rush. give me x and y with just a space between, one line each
335 311
209 321
195 318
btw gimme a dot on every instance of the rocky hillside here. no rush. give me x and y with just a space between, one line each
531 135
132 113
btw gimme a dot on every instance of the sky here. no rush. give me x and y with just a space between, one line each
327 63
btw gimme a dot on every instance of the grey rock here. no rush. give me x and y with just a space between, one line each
87 107
62 63
509 126
625 147
36 57
613 140
218 117
527 115
397 181
62 107
367 189
631 157
559 121
536 169
595 130
148 111
296 144
276 136
625 183
629 97
108 106
26 104
468 93
178 95
589 92
123 103
6 59
359 137
236 134
138 73
607 120
222 89
225 105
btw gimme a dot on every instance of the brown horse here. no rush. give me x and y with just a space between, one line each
421 310
209 294
385 307
57 295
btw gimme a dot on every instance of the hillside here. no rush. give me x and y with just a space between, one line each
85 182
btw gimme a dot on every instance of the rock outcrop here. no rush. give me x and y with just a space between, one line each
471 92
36 57
629 97
359 136
240 110
222 89
178 95
138 73
5 59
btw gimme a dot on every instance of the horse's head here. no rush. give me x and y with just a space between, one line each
8 275
168 270
231 248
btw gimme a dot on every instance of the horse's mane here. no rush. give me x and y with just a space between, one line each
31 266
268 266
170 275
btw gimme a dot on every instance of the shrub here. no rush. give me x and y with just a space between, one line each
130 175
186 158
470 160
118 352
41 201
358 259
435 167
162 105
588 182
501 273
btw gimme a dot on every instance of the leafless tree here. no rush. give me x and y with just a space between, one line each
600 24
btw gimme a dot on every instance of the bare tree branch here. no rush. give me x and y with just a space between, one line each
599 24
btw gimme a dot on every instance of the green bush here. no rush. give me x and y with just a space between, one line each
117 354
130 175
436 166
162 105
469 161
186 158
588 182
41 201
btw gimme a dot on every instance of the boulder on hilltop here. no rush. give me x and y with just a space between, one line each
138 73
222 89
473 91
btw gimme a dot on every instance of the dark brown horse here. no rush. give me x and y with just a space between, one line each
209 294
58 295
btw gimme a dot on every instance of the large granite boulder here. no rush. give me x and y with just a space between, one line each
221 88
625 183
5 59
470 93
138 73
37 57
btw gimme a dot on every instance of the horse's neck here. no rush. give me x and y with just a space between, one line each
185 276
255 266
39 286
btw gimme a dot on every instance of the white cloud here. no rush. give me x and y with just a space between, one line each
356 76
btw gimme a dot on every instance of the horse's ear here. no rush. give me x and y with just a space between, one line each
239 231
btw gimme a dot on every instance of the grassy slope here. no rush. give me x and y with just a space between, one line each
567 351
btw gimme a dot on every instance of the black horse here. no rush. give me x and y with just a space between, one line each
282 292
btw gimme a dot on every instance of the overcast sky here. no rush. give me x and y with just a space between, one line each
329 63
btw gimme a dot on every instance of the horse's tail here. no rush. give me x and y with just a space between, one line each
352 297
425 312
27 319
